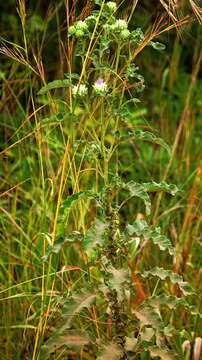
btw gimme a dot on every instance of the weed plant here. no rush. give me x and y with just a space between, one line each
99 277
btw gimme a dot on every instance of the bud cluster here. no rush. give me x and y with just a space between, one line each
119 28
100 88
79 29
80 90
111 6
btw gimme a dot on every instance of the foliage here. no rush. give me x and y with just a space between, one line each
82 162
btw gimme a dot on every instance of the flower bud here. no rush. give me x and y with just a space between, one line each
79 33
124 34
121 24
79 90
81 25
111 6
90 19
72 30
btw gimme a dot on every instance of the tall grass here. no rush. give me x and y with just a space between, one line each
64 156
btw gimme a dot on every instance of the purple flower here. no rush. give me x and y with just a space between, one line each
100 87
99 82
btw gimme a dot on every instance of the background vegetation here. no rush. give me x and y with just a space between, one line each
35 50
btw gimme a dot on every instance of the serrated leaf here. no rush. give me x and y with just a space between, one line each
151 316
141 190
95 235
163 186
137 189
174 278
70 238
111 351
148 316
55 85
66 204
141 228
72 76
172 302
145 136
117 280
73 339
163 352
73 306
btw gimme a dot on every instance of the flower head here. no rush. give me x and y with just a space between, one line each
79 29
100 87
90 19
81 25
80 90
111 6
120 24
124 34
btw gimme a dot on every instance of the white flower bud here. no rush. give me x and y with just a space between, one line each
80 90
111 6
90 19
120 24
81 25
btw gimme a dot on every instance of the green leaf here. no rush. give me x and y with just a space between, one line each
157 45
111 351
70 238
98 2
118 280
92 150
141 228
163 186
95 235
73 339
147 315
57 118
55 85
73 306
66 204
172 302
72 76
145 136
174 278
163 352
136 189
140 190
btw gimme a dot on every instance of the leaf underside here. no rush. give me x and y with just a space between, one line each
174 278
111 352
141 228
54 85
73 339
145 136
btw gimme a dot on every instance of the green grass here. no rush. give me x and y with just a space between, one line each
54 145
